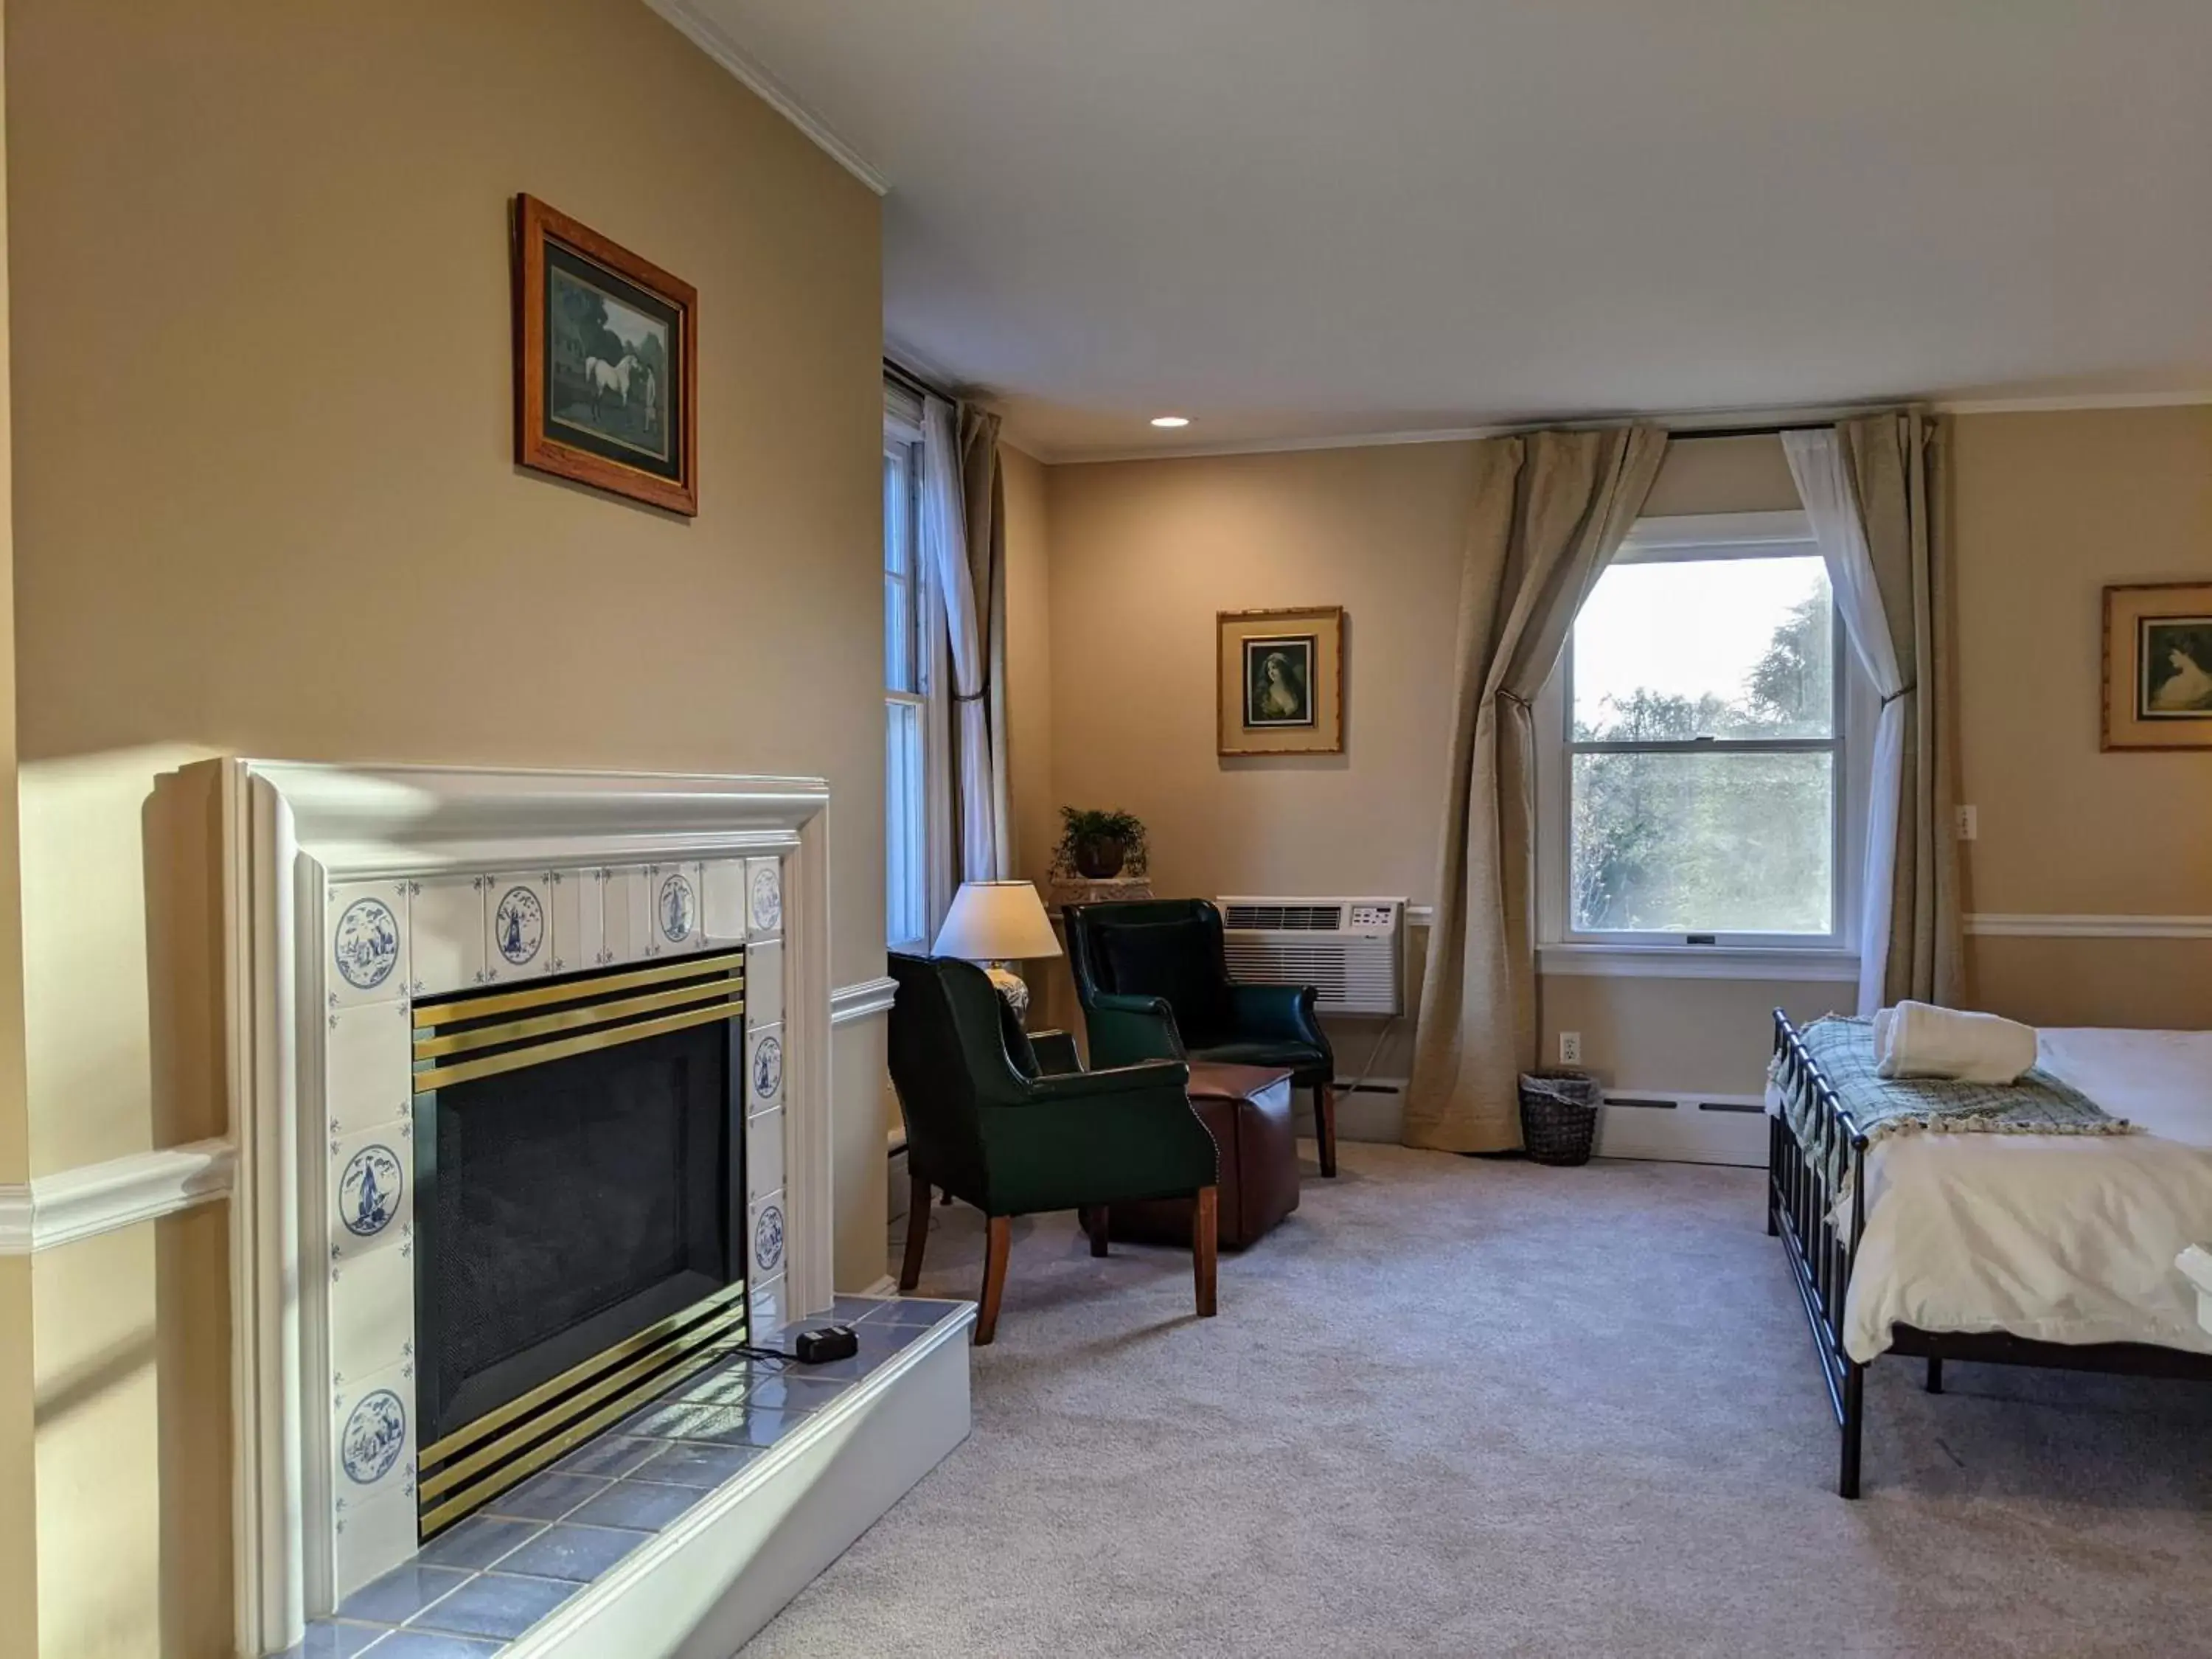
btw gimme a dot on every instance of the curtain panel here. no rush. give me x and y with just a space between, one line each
983 492
1896 465
950 546
1550 510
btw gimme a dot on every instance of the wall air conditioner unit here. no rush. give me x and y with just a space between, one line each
1350 950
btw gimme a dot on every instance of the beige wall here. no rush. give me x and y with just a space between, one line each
269 506
1144 553
2047 509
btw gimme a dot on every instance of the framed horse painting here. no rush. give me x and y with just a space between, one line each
606 355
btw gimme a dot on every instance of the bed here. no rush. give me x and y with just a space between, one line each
2027 1249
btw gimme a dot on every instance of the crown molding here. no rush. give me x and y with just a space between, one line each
61 1208
711 37
2061 406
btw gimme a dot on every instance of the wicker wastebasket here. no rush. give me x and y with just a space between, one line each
1559 1116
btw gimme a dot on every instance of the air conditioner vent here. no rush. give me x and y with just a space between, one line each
1350 951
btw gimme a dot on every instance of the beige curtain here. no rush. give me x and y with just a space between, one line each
983 493
1550 509
1899 476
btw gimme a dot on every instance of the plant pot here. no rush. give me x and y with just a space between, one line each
1100 859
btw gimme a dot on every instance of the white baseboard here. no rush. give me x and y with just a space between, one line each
1702 1126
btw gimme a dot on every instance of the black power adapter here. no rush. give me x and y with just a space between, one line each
825 1343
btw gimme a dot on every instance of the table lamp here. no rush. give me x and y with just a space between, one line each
995 922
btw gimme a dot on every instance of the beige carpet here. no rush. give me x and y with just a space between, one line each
1461 1407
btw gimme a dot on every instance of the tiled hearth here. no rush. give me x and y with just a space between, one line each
481 1588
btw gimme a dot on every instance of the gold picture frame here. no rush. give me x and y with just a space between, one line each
1279 681
2158 666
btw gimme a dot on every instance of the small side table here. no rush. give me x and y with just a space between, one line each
1075 889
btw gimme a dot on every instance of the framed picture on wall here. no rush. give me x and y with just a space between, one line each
606 355
2158 666
1280 682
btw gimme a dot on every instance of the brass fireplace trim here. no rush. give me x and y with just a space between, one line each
506 1002
714 990
481 1460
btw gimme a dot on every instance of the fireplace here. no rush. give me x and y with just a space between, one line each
579 1225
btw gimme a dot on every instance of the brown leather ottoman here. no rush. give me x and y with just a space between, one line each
1248 1111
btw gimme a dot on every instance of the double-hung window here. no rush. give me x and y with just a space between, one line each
1699 792
906 796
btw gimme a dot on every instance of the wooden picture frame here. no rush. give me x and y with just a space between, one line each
1278 682
606 361
2157 666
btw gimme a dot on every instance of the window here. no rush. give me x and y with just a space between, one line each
906 828
1701 780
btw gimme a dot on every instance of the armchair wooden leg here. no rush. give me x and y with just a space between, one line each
917 1232
1094 1223
994 1278
1325 1126
1204 1239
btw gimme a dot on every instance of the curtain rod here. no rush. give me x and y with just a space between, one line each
1773 431
912 382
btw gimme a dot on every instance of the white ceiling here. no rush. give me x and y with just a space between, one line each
1291 219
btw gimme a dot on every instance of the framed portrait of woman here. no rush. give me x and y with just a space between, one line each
1279 685
2158 666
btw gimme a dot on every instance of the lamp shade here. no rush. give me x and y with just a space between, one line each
996 921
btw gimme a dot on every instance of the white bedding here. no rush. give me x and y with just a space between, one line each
2061 1238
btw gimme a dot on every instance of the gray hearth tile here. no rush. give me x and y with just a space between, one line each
401 1594
495 1604
846 1309
683 1464
327 1639
795 1391
638 1504
546 1497
477 1541
720 1387
910 1310
432 1644
581 1553
608 1454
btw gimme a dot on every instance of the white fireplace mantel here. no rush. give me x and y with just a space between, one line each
292 833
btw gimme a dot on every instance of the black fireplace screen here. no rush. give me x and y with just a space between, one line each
566 1205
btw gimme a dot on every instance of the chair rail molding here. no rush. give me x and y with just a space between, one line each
1991 925
871 996
61 1208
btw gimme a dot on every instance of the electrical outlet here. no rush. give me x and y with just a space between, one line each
1571 1047
1968 827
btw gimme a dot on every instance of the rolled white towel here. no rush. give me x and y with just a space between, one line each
1917 1039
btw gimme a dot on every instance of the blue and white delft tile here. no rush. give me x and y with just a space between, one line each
766 1318
371 1537
371 1202
722 901
580 928
764 1062
371 1313
365 954
448 933
623 895
372 1474
763 1155
518 925
765 897
367 1067
672 910
765 984
766 1237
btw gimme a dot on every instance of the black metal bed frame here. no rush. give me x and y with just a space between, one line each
1801 1203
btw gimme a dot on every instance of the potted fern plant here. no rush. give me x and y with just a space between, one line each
1099 844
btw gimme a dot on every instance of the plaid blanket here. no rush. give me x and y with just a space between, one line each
2038 1104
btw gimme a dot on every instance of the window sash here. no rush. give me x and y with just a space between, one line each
1763 538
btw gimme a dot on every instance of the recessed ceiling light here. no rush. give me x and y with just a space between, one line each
1170 420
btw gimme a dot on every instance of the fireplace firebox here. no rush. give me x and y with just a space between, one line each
579 1212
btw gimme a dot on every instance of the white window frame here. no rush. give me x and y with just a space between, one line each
1798 957
902 440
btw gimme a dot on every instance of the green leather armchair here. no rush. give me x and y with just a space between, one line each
1152 978
1014 1128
